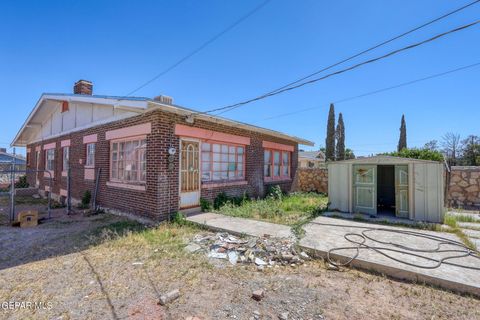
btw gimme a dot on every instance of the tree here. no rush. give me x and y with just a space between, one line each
431 145
330 139
415 153
471 151
451 147
349 154
340 135
402 142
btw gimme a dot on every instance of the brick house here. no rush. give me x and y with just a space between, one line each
151 157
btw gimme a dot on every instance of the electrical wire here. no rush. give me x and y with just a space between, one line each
460 250
355 66
378 90
201 47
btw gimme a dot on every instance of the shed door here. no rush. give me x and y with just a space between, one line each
189 174
401 191
364 189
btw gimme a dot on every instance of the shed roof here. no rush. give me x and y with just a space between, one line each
384 159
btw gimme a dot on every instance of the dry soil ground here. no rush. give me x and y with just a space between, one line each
90 268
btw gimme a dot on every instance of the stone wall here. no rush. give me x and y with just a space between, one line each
311 180
464 187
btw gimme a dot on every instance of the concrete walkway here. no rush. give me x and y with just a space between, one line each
324 234
238 226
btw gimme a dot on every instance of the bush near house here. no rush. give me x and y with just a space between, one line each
416 153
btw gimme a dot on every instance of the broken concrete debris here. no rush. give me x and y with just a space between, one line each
263 252
169 297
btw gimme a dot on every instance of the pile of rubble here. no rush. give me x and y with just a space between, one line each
263 252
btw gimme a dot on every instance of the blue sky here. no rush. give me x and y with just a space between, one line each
47 46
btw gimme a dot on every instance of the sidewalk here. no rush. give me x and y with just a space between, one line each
238 226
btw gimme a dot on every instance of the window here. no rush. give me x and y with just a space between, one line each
90 155
49 159
66 157
28 158
276 164
222 162
128 160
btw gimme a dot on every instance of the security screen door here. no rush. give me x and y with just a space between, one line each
189 174
365 189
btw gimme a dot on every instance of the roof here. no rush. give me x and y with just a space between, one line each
312 155
142 104
8 158
385 159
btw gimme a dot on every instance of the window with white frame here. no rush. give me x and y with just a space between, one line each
128 160
276 164
222 162
65 158
90 155
49 159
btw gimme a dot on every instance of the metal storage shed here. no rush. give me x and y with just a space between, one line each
403 187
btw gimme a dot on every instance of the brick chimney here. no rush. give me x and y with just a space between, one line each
164 99
83 87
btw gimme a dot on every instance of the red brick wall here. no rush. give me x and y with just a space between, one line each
161 195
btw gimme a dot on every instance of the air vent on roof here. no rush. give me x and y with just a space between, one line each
164 99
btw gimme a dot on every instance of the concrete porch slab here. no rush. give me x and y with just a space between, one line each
324 234
240 226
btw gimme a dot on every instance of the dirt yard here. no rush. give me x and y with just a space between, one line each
106 267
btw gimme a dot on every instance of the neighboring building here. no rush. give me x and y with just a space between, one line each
8 158
402 187
311 159
154 157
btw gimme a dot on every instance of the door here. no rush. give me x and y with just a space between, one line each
37 163
189 174
364 189
401 191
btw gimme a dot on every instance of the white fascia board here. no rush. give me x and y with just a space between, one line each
130 105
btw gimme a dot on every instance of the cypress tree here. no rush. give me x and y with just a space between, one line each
402 142
330 139
340 149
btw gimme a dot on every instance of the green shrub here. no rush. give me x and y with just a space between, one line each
415 153
87 196
222 199
22 182
179 218
205 205
275 192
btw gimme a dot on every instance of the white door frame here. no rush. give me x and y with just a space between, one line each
186 139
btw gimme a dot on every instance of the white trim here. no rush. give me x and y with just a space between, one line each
141 106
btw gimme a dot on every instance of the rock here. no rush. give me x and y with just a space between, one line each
169 297
217 255
287 256
192 247
304 255
260 268
258 294
260 262
256 314
283 316
137 263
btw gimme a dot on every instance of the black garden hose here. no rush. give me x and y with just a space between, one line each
461 251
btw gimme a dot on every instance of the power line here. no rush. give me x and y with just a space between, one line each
380 44
391 53
201 47
379 90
